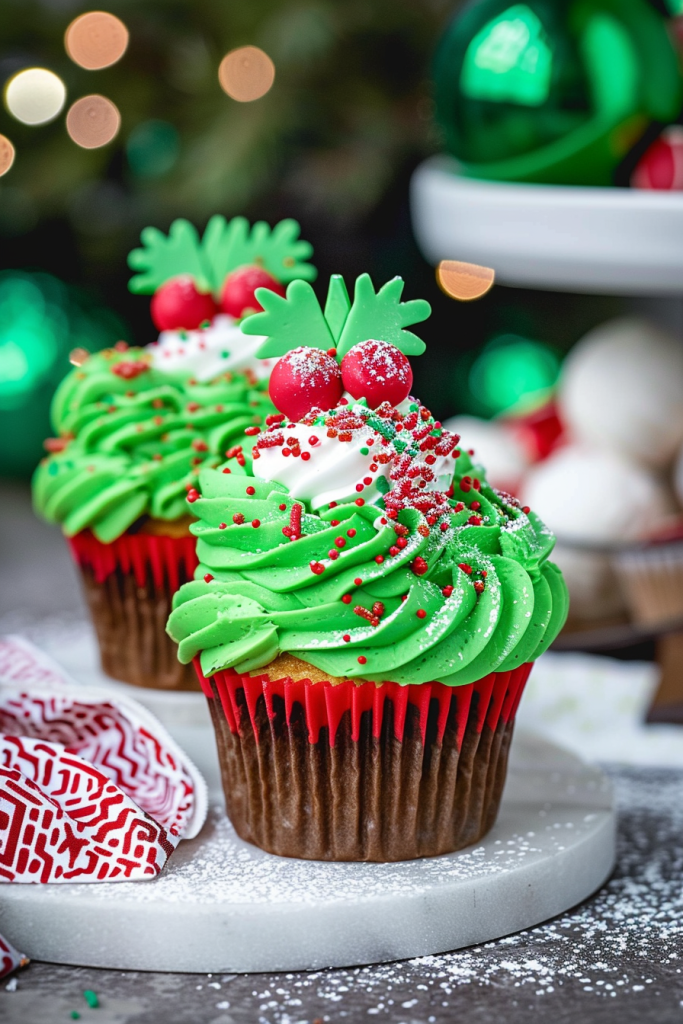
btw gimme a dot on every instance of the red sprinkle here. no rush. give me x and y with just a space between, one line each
359 487
474 521
475 506
227 470
367 480
378 609
421 613
351 532
340 542
333 554
465 568
222 526
379 559
447 591
419 566
346 638
305 456
358 581
393 550
282 507
443 527
252 431
317 568
208 577
359 501
251 490
526 510
334 522
362 660
479 587
347 599
238 518
256 523
401 542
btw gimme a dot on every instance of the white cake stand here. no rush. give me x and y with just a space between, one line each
614 241
221 905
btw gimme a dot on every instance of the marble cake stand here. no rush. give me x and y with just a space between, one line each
222 905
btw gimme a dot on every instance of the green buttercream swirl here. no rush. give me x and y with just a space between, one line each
134 444
263 598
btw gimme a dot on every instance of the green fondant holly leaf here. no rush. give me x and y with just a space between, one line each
290 322
382 316
165 256
337 306
228 245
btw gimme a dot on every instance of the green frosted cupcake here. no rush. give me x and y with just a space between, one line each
135 425
366 609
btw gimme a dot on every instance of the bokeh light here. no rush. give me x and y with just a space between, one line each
246 74
35 95
464 281
93 121
513 374
96 40
152 148
7 154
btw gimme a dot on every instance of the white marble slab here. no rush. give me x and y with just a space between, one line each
223 905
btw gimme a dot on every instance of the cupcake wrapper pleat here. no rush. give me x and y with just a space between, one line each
374 773
129 585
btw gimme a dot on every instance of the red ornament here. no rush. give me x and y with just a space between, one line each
238 296
305 379
661 167
178 305
378 372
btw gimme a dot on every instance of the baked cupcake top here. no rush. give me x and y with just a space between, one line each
134 425
361 539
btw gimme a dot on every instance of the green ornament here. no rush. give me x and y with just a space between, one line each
42 320
553 91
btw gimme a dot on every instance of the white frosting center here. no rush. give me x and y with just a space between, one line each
206 353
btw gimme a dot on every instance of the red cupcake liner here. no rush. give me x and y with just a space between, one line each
170 559
499 694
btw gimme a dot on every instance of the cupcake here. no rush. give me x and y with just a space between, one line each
366 608
135 425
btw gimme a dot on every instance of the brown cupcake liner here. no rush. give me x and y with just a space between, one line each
129 585
362 772
652 582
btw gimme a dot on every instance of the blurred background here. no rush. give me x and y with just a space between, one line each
399 133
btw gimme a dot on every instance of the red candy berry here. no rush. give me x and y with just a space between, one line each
238 296
178 305
305 379
378 372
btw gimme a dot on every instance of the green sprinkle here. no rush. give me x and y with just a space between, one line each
365 451
75 1015
53 469
382 484
183 335
204 324
91 998
225 355
413 407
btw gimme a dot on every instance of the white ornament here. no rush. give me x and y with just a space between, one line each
622 389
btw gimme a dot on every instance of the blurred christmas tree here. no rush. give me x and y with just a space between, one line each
348 108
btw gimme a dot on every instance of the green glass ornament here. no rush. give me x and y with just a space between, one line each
553 91
42 320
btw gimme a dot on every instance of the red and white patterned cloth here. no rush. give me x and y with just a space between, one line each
10 958
92 788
